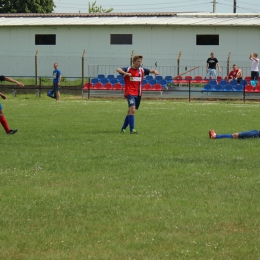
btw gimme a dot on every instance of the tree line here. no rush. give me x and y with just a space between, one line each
41 6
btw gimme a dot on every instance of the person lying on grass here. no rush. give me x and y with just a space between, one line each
241 135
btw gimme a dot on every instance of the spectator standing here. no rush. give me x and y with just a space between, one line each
212 62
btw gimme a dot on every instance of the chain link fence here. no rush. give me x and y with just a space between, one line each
81 68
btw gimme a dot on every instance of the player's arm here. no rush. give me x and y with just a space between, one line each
155 72
59 79
121 71
219 69
14 81
2 96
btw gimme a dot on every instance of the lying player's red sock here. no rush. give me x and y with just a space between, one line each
4 124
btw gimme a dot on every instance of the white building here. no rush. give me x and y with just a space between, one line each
109 40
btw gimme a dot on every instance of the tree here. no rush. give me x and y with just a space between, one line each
26 6
92 8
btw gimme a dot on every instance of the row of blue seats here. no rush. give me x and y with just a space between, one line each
219 87
148 79
224 82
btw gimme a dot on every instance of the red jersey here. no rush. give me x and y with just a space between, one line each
233 73
133 85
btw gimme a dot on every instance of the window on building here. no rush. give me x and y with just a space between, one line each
207 39
121 39
45 39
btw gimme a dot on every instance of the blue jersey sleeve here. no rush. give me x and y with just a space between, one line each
124 69
146 71
2 78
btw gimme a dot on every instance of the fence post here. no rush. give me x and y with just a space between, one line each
178 63
83 67
131 58
36 68
189 90
228 61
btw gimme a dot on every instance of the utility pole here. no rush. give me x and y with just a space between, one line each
235 6
214 6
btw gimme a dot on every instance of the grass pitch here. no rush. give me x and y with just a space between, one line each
73 187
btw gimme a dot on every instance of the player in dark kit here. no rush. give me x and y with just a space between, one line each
2 117
133 77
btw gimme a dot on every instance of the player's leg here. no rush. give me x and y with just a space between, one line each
126 122
56 90
4 123
131 116
248 134
241 135
132 112
57 93
213 135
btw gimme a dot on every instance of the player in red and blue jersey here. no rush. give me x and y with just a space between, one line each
2 117
133 77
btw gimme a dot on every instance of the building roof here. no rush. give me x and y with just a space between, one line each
109 19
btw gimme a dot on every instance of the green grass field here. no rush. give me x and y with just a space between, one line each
73 187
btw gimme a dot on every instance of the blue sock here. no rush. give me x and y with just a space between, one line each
126 122
131 122
224 136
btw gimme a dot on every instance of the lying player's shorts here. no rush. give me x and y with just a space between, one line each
134 101
249 134
1 106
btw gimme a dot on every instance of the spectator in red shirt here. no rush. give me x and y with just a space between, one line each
235 74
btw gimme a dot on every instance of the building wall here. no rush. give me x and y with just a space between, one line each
158 44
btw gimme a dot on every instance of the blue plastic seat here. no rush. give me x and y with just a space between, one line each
207 87
213 82
110 77
223 82
144 81
243 82
158 78
113 81
101 76
163 83
238 87
228 87
233 82
168 79
217 87
152 82
104 81
122 81
119 77
149 77
94 81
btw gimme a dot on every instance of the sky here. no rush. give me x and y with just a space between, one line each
222 6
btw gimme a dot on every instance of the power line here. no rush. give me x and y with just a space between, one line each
160 6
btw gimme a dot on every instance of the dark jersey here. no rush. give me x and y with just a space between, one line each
212 63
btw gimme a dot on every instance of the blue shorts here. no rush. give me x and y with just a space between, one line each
134 101
249 134
1 106
56 87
